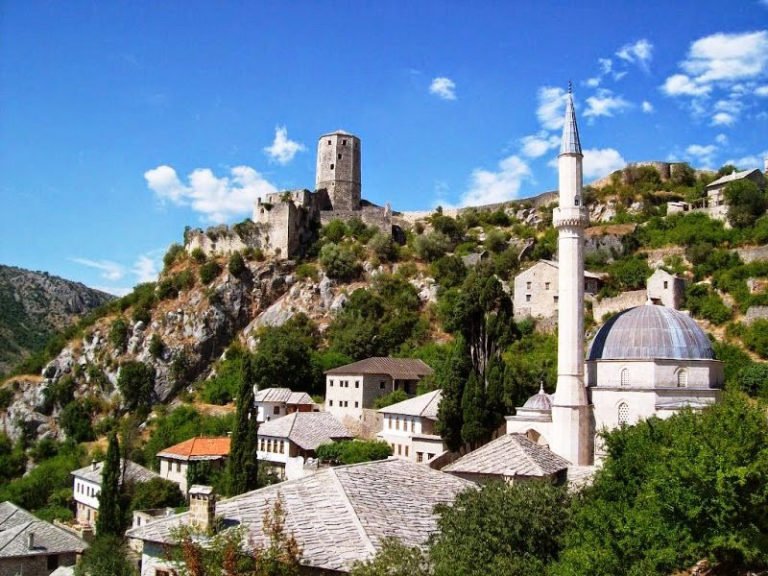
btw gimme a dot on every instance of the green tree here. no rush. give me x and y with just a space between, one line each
236 264
242 466
473 428
155 493
136 382
746 203
110 518
75 420
500 530
449 413
107 555
339 262
354 451
209 272
118 333
394 559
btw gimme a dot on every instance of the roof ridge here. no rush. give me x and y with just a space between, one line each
355 518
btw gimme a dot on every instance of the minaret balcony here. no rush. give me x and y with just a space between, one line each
570 217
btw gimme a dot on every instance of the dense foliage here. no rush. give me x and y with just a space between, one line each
242 464
353 451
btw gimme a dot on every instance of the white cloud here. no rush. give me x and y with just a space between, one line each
728 57
488 187
723 119
703 155
647 107
721 139
218 199
599 162
283 149
443 88
593 82
762 91
682 85
551 107
640 53
750 161
109 270
114 290
146 269
604 103
539 144
606 64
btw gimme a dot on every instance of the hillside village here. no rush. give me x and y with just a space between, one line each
378 364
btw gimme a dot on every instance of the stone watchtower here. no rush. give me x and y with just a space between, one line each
338 169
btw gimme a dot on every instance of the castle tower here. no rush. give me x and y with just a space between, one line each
338 169
572 437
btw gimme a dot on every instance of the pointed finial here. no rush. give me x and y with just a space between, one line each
570 87
541 387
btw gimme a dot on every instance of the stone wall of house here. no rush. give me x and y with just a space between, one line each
618 303
32 565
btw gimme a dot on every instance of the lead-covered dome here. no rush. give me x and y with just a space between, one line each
651 331
539 401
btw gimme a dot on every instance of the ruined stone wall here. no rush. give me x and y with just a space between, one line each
753 253
338 170
618 303
376 216
219 241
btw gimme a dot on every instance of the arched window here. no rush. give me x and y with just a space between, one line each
623 413
682 378
624 377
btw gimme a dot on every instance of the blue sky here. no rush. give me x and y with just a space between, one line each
123 122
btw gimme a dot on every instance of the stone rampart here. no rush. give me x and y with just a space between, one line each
610 306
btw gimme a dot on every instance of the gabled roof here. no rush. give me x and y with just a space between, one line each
425 406
397 368
509 456
16 524
198 449
285 395
306 429
132 472
731 177
338 515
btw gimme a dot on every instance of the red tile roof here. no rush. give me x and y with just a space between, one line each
198 449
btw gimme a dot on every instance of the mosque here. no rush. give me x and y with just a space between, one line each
646 361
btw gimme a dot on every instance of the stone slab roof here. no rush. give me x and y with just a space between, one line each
397 368
16 524
338 515
198 449
285 395
733 176
424 405
132 472
306 429
509 456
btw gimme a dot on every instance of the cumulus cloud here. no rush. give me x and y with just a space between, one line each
217 199
762 91
539 144
682 85
721 139
702 155
551 107
108 269
639 53
487 187
283 149
723 119
750 161
443 88
599 162
647 107
604 103
146 268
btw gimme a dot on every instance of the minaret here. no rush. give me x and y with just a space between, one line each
572 437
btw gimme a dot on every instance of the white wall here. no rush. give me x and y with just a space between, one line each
175 471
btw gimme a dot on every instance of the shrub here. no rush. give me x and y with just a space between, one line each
136 382
431 246
209 272
756 337
388 399
334 231
496 241
173 254
184 280
383 246
6 397
156 346
354 451
448 271
339 262
166 289
358 230
118 333
198 255
75 420
307 270
236 264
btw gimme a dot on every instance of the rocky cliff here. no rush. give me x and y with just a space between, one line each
34 305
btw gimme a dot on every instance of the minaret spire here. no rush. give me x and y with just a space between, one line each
571 417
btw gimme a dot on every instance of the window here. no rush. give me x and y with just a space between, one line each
339 157
397 423
399 449
53 561
682 378
356 404
406 451
381 385
412 425
623 413
625 377
178 466
282 447
261 444
527 297
330 402
419 456
555 299
546 285
276 410
343 142
527 285
357 383
666 284
331 166
430 456
576 201
329 142
330 383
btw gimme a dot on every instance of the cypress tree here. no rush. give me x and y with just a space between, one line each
449 414
474 431
110 517
243 463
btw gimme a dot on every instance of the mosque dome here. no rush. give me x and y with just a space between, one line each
539 401
651 331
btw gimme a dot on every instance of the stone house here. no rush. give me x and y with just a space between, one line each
510 458
352 388
176 460
536 290
87 487
338 516
33 547
661 288
409 428
272 403
717 205
286 443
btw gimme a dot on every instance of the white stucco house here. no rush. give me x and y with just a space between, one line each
286 442
272 403
176 460
409 428
87 487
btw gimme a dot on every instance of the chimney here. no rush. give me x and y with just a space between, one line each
202 507
30 540
93 465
